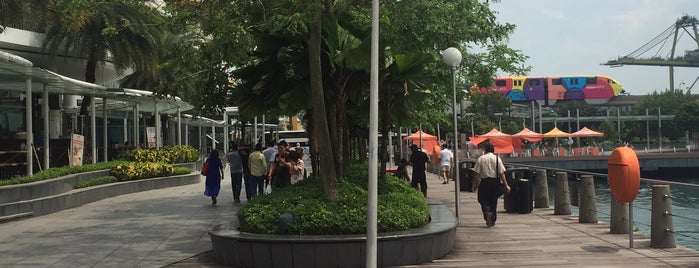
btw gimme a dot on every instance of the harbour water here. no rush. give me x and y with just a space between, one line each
685 208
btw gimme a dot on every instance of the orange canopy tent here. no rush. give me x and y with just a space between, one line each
501 141
557 133
529 135
586 132
428 141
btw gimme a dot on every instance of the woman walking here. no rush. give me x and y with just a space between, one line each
214 175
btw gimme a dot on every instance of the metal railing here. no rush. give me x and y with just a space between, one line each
685 233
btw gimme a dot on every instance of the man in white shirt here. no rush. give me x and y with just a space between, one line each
491 183
446 161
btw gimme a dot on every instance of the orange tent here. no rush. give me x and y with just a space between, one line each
529 135
586 132
501 141
428 141
557 133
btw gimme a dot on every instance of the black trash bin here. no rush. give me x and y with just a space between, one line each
520 198
466 174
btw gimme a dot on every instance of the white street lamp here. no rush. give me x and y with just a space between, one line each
470 115
452 57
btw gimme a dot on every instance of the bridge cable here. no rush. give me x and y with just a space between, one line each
652 43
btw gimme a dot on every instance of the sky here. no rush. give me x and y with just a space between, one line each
574 37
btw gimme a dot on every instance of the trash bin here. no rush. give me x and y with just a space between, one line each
466 174
519 199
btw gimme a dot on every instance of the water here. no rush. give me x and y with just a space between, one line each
685 208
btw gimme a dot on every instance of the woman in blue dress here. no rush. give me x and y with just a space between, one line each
213 176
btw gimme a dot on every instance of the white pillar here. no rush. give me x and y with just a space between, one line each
186 133
225 132
29 139
135 139
45 115
255 130
158 129
93 129
105 119
213 136
179 127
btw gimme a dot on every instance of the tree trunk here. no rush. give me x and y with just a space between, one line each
325 148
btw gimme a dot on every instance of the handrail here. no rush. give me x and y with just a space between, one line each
653 181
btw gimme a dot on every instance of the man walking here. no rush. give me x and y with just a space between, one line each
236 163
419 160
446 161
258 171
490 171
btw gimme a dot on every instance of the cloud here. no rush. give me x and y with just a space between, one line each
639 16
554 14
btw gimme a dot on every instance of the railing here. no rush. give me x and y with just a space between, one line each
662 231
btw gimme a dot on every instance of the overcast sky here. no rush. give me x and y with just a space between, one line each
574 37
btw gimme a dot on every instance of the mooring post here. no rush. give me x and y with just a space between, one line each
541 189
588 207
562 202
575 192
662 229
619 217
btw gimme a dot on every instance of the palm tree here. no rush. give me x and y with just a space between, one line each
124 32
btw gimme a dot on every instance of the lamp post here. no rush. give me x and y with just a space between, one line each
499 115
452 57
470 115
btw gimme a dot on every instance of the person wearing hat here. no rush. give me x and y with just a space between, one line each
420 161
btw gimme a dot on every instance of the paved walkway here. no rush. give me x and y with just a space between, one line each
168 228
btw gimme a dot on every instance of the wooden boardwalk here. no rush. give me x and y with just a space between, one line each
542 239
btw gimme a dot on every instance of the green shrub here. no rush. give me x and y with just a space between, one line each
139 170
400 207
167 154
95 181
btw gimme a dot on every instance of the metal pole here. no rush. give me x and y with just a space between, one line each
533 109
631 224
372 202
179 126
647 131
105 121
47 132
456 148
541 126
660 135
29 137
577 121
618 124
93 129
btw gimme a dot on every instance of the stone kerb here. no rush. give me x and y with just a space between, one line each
39 189
415 246
48 196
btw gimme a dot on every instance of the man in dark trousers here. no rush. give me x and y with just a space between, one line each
489 179
236 165
419 160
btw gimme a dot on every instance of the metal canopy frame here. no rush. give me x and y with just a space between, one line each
19 75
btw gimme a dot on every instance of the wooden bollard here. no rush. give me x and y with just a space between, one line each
588 206
562 202
662 229
619 217
541 189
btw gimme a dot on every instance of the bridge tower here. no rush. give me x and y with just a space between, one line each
684 25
